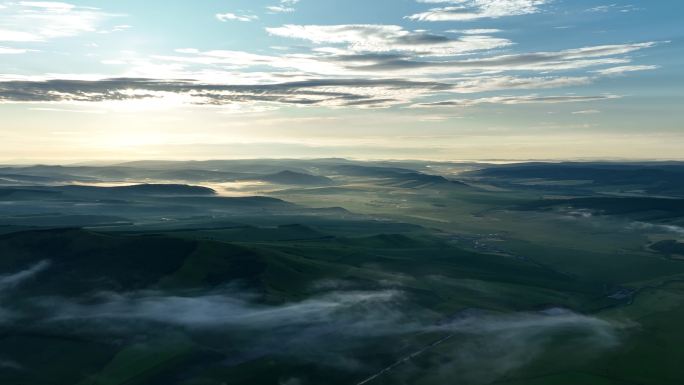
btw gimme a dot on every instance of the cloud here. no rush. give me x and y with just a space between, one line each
234 17
345 65
613 7
10 35
465 10
34 21
383 49
329 327
623 69
537 61
279 9
350 92
509 100
11 281
477 31
489 346
360 80
341 62
315 92
364 313
387 38
285 6
656 227
586 112
496 83
12 51
116 28
11 365
53 5
223 309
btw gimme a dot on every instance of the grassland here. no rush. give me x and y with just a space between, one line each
348 273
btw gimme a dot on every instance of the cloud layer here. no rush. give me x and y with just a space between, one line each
353 92
329 327
333 65
388 38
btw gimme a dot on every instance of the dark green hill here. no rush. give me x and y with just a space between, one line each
285 272
654 208
391 241
27 194
399 177
82 261
144 189
670 247
654 178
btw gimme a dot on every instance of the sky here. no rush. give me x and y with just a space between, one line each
365 79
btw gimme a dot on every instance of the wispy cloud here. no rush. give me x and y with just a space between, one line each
34 21
613 7
570 59
526 99
12 51
475 31
320 92
465 10
350 92
219 310
330 79
116 28
387 38
620 70
11 281
228 16
328 327
11 365
285 6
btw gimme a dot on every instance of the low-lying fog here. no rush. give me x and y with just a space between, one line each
326 328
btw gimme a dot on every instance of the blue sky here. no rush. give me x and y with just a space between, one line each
427 79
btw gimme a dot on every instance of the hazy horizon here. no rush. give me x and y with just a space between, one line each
112 162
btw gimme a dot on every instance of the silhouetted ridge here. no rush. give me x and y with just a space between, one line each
152 189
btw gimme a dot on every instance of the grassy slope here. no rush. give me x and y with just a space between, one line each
283 270
566 262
